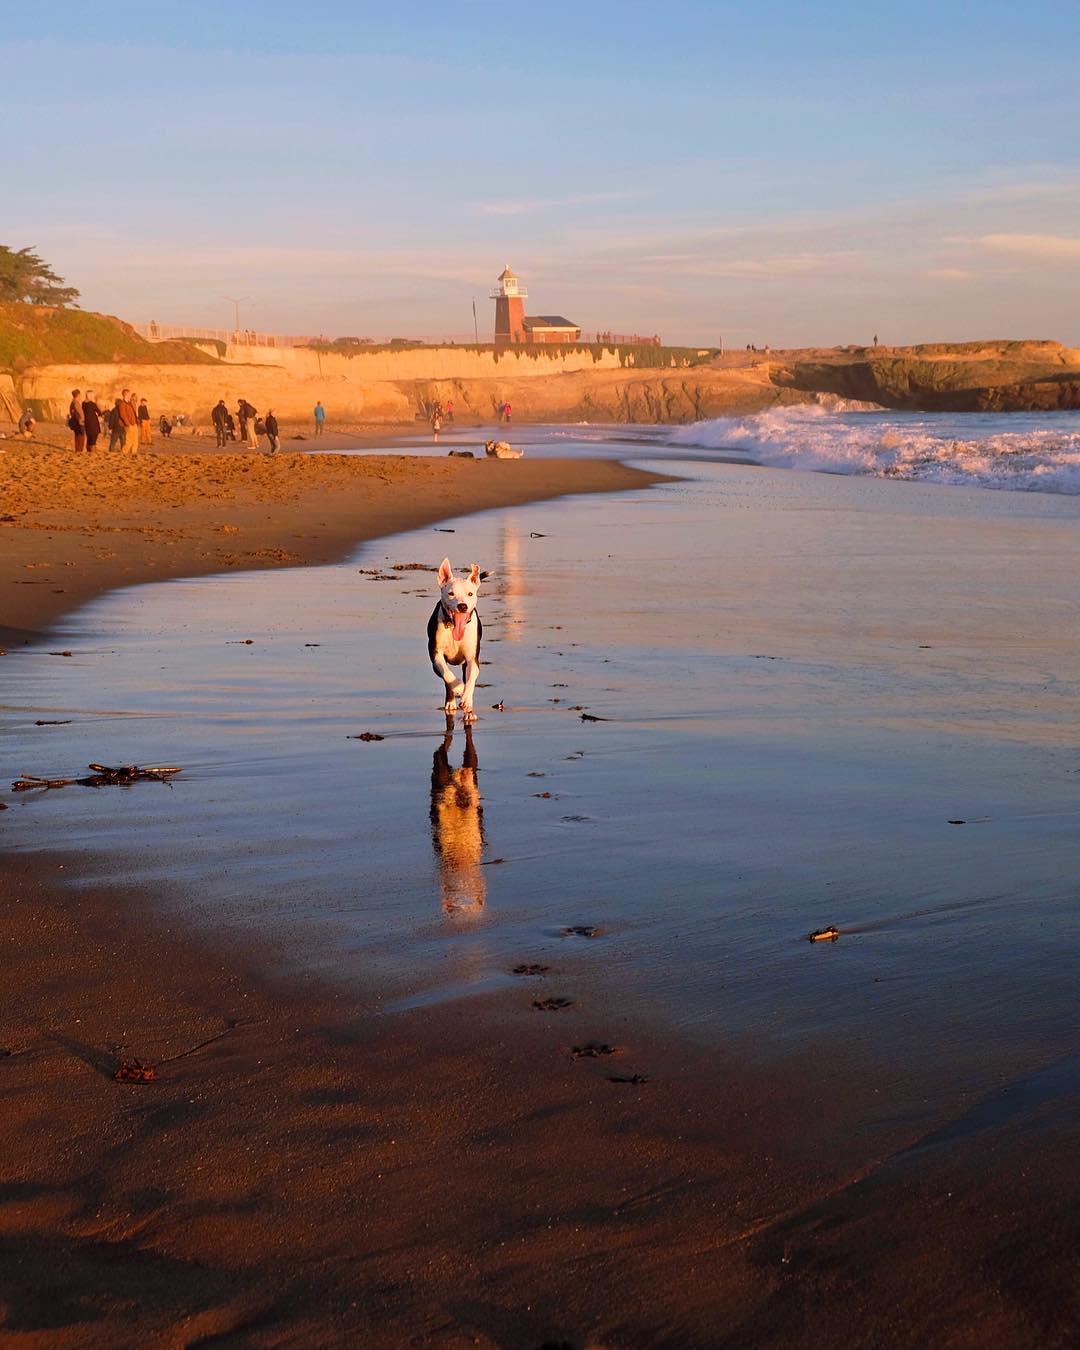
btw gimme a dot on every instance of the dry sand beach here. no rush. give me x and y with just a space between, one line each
362 1131
75 527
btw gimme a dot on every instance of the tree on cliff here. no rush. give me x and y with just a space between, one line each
27 278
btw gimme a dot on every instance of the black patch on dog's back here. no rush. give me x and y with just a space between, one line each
432 629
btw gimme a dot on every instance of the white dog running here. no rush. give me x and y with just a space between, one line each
454 632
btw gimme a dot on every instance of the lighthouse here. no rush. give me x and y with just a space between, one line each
509 296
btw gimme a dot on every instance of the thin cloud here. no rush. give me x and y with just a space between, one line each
1039 246
525 206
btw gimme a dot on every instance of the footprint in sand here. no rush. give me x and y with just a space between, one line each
593 1050
552 1004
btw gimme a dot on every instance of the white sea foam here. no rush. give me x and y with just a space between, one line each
1036 452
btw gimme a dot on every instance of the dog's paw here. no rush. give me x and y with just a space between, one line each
467 714
450 707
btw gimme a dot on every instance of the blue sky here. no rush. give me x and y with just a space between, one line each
783 173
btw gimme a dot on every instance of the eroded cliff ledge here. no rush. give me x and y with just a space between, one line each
942 377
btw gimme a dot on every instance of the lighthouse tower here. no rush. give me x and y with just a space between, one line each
509 296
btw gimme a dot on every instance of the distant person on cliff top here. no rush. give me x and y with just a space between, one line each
92 419
219 415
875 339
320 418
272 432
76 421
146 432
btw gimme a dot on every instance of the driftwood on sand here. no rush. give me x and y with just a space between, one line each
101 775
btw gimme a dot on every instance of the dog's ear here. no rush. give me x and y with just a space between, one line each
474 575
445 571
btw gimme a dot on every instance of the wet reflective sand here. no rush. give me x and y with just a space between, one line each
820 700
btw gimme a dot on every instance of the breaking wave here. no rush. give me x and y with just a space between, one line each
1037 452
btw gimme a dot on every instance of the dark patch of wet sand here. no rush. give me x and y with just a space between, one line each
325 1176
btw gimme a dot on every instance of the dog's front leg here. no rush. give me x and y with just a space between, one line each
454 686
471 673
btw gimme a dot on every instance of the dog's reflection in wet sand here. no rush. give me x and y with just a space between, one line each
457 826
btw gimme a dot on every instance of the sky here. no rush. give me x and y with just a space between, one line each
782 173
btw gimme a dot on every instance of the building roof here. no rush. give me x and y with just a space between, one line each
507 275
548 321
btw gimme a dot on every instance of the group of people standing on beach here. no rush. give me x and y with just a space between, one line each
127 422
250 425
130 426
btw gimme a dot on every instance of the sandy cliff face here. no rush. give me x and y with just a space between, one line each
394 389
577 385
965 377
195 389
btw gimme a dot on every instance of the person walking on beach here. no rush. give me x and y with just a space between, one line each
219 415
449 409
506 412
129 423
436 425
272 432
76 420
146 431
91 420
320 418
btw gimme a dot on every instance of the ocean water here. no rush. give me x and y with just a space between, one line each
820 700
1025 452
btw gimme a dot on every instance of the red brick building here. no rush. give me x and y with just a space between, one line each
513 325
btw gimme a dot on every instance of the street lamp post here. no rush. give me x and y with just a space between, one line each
236 302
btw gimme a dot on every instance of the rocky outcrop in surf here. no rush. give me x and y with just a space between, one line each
944 377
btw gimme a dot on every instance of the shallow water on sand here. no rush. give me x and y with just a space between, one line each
803 681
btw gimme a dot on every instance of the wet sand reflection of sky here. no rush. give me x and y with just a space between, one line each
803 680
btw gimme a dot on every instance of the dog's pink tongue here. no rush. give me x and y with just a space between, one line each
460 620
